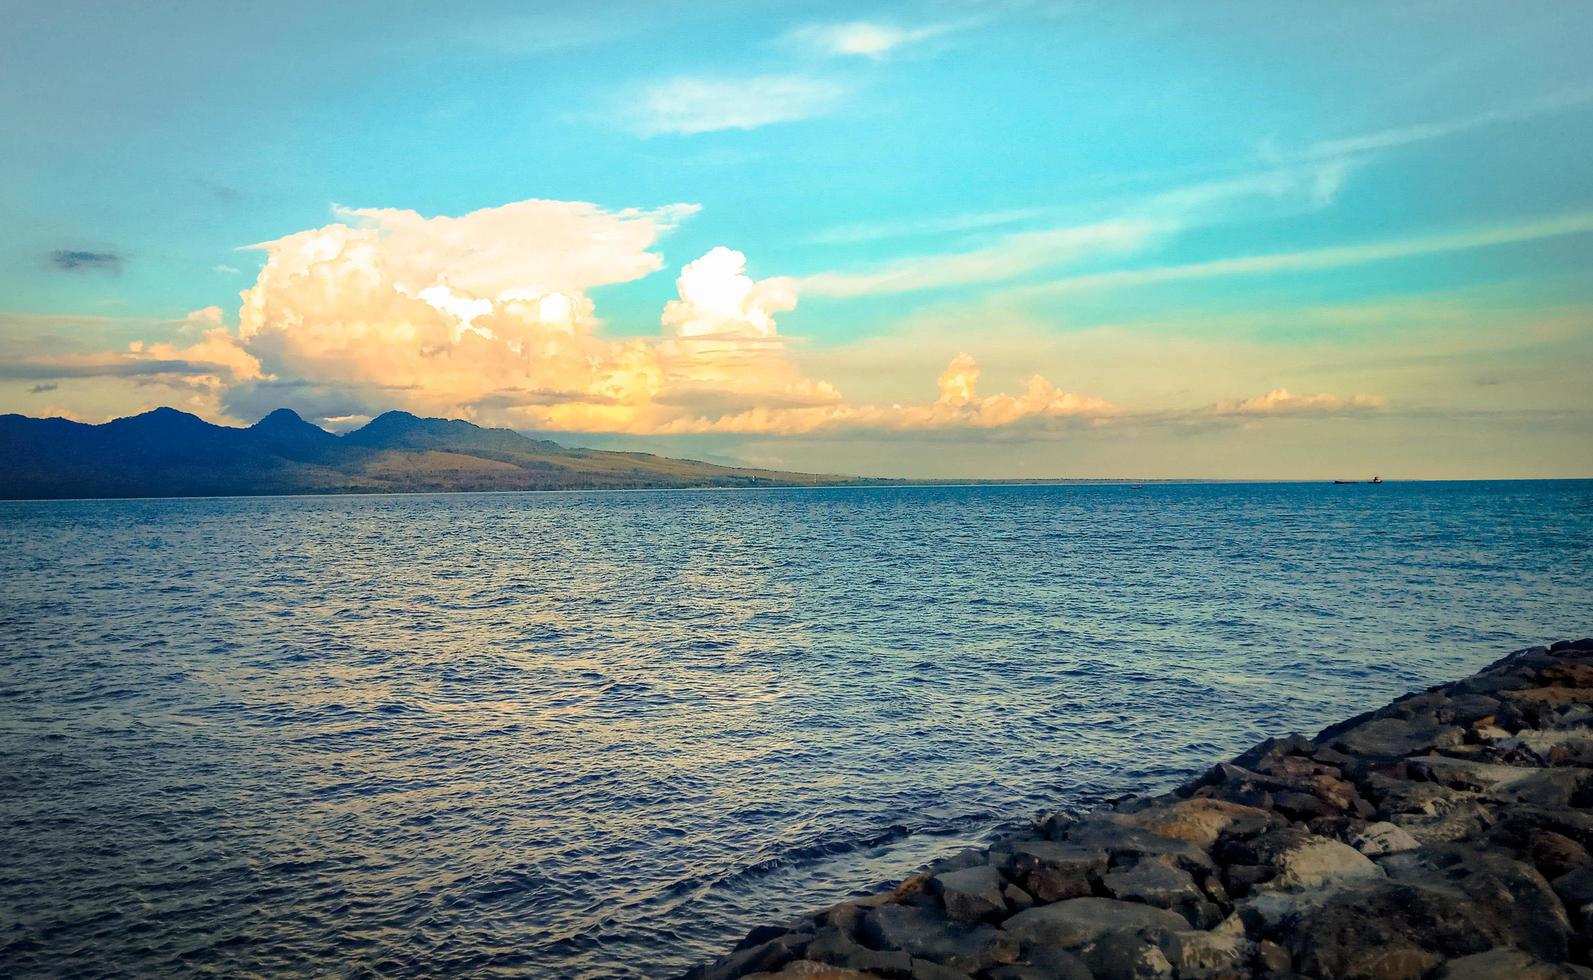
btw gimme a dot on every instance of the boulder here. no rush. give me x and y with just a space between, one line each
1378 839
1202 953
1045 963
1393 738
1080 921
836 949
971 894
1200 821
1498 964
1301 860
1126 842
1153 883
1499 897
1126 955
927 934
808 970
927 970
1052 872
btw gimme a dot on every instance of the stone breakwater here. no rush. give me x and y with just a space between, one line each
1445 835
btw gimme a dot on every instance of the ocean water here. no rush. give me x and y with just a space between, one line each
602 734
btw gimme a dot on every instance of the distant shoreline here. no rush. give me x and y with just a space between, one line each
861 484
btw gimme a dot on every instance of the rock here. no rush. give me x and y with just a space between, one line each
1197 954
1509 901
1472 797
1125 841
763 957
1017 898
1271 957
971 894
1124 955
1458 822
925 934
1575 888
1499 964
1045 963
832 947
1153 883
1301 860
1052 872
1383 838
1199 821
1381 929
1080 921
926 970
807 970
1392 738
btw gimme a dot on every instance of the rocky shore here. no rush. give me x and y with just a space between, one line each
1444 835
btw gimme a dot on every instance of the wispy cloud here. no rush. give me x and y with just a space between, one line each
100 366
863 38
1137 224
693 104
1012 256
1421 132
1328 258
74 260
1281 401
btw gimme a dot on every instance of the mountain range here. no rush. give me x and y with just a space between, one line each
168 453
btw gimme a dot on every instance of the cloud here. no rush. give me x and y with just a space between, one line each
73 260
1280 401
1008 258
1438 129
226 270
692 104
488 316
129 365
1137 225
1335 257
41 389
861 38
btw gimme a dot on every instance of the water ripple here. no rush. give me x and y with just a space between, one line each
596 735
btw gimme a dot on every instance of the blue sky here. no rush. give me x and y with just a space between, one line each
1171 213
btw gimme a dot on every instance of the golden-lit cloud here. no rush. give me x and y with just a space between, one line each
1280 401
489 317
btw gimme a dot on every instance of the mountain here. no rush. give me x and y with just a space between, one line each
167 453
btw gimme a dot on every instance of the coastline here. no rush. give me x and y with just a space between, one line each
1446 834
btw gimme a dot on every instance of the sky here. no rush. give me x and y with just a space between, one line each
1075 239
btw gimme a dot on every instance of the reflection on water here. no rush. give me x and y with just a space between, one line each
602 734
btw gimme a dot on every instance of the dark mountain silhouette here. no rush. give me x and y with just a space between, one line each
167 453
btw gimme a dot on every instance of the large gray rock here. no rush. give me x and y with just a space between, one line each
1052 872
972 894
1207 953
927 934
1045 963
1393 738
1514 899
1125 841
1378 839
1080 921
1153 883
1301 861
1123 954
1508 964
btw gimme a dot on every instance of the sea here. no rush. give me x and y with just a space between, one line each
591 734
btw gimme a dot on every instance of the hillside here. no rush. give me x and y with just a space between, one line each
167 453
